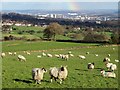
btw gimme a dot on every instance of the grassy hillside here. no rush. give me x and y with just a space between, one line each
16 74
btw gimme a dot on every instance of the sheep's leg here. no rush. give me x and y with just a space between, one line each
60 81
55 78
39 81
51 78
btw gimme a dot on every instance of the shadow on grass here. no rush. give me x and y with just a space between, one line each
24 81
81 70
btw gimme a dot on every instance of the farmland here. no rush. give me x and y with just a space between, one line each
16 74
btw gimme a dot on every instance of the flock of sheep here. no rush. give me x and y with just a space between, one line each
61 73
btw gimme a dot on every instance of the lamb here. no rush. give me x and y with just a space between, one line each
96 55
28 53
81 56
58 73
37 74
49 55
21 58
66 57
108 74
91 65
14 53
2 55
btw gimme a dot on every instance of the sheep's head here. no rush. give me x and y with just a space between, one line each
44 70
102 71
63 68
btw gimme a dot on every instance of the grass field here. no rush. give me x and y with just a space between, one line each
17 74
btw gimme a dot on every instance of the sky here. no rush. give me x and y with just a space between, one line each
58 5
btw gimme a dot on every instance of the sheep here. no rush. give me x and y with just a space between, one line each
71 55
2 55
116 60
43 54
91 65
58 73
69 52
87 52
14 53
106 59
49 55
21 58
66 57
113 48
111 66
81 56
56 55
37 74
28 53
96 55
108 74
108 55
39 56
10 53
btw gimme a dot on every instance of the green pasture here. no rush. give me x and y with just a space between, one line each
16 74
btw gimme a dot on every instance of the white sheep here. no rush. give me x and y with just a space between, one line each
14 53
81 56
49 55
39 56
87 52
69 52
116 60
106 60
108 74
91 65
111 66
2 55
71 55
58 73
10 53
21 58
37 74
28 53
43 54
108 55
96 55
56 55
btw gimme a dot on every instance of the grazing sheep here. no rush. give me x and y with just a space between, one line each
106 59
81 56
56 55
43 54
21 58
108 55
39 56
111 66
66 57
91 65
14 53
37 74
96 55
69 52
2 55
10 53
108 74
58 73
116 60
49 55
71 55
87 52
28 53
